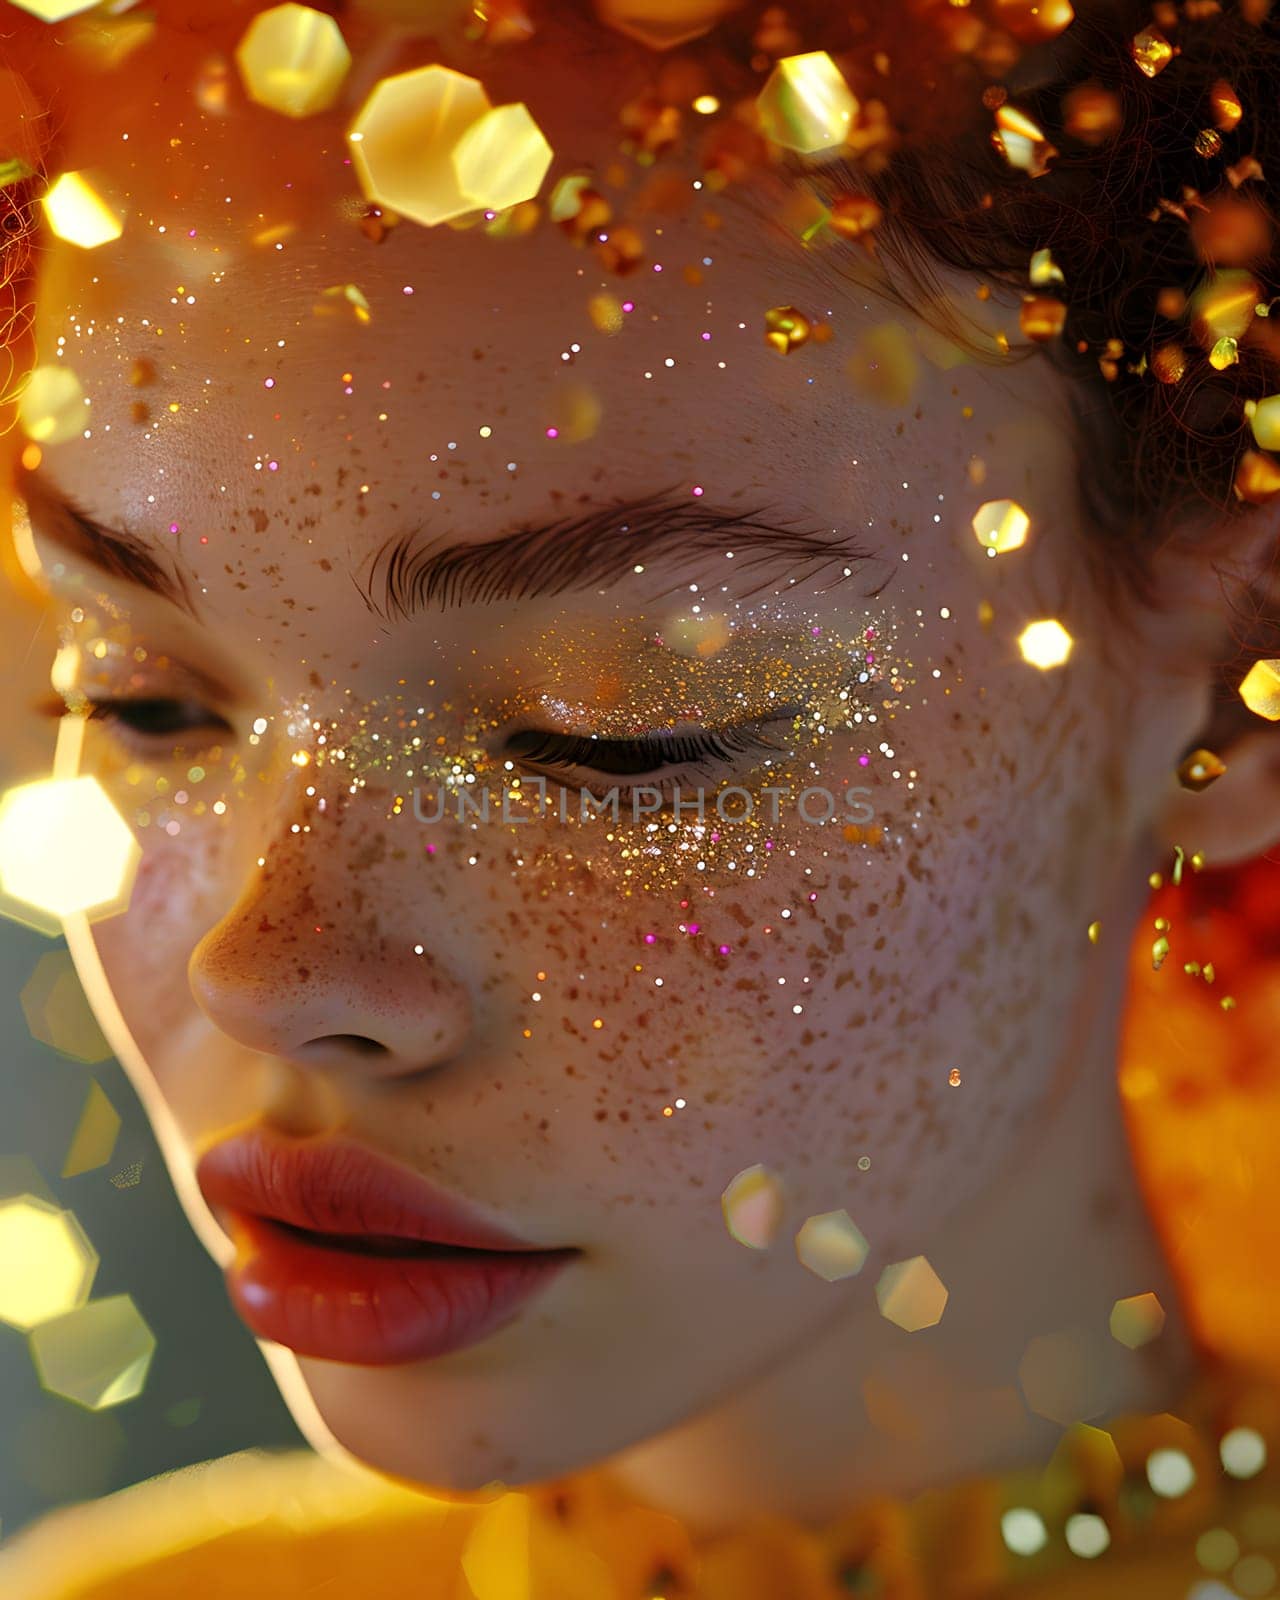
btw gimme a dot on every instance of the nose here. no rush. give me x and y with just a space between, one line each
279 977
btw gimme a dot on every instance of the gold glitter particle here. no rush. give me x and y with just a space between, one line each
832 1246
1264 419
1045 272
1198 770
1022 142
1095 932
1224 308
753 1204
1260 690
1257 478
1225 102
1042 317
1045 643
1001 525
854 215
786 329
1151 52
806 105
953 1077
293 59
1208 143
575 413
1092 114
1225 353
1169 363
345 300
605 311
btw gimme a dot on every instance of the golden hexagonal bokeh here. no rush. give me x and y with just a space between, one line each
20 1178
97 1355
76 212
47 1265
663 24
54 10
402 141
1136 1320
65 849
832 1245
806 105
58 1013
95 1137
1062 1377
752 1204
1260 690
51 406
911 1294
502 158
1045 644
293 59
1001 525
428 145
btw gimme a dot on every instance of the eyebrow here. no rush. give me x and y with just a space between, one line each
598 548
595 549
113 550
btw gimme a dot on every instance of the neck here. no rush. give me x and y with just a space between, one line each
1033 1266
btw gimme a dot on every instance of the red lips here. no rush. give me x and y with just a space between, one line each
336 1187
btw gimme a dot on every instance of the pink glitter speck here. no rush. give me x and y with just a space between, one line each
693 927
273 466
268 383
628 305
173 527
706 336
408 288
724 949
553 433
657 266
864 761
698 489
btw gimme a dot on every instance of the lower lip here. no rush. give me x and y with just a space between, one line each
341 1305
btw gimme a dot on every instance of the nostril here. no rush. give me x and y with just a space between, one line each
357 1043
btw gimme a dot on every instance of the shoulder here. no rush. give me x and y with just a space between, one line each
257 1522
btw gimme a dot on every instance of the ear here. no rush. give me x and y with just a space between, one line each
1238 816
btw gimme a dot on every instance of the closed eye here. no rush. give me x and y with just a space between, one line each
652 755
144 722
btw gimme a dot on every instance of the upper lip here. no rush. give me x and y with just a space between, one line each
335 1186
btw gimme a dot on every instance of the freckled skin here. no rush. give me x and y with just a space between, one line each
953 940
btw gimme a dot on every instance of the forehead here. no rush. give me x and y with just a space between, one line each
247 345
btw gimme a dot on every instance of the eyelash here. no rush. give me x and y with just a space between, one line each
130 716
564 755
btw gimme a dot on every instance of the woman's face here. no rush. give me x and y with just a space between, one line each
587 1029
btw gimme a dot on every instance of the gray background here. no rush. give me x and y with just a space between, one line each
208 1390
